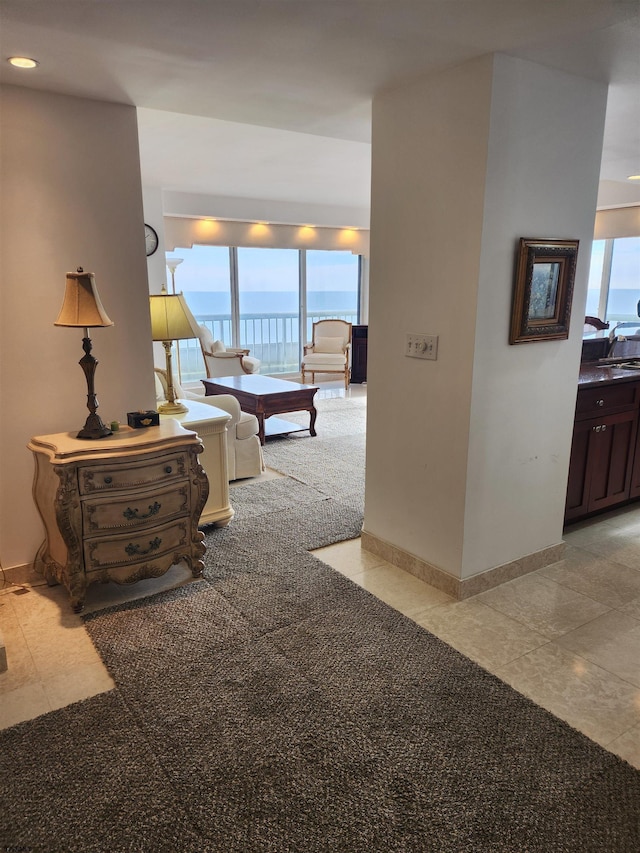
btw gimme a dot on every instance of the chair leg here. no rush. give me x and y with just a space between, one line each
303 377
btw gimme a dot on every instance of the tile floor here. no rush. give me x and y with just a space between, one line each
567 636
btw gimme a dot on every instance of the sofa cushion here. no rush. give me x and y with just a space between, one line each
247 426
328 345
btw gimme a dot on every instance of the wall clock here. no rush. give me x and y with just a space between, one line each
151 239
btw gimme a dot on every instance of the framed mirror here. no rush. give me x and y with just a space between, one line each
543 290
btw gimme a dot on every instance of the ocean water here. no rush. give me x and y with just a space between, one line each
271 302
623 301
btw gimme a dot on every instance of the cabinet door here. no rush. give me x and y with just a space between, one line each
359 354
610 459
601 464
578 485
634 489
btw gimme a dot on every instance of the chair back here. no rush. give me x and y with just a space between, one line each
595 323
323 329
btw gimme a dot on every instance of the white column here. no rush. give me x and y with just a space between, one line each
467 456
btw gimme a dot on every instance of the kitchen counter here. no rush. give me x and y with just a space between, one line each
593 373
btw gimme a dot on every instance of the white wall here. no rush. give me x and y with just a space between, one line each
264 210
542 181
467 456
619 222
185 231
153 215
428 175
71 196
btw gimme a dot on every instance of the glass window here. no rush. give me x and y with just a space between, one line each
251 298
333 286
204 279
624 283
595 279
269 307
614 283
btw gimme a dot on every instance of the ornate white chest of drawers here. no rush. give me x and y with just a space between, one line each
122 508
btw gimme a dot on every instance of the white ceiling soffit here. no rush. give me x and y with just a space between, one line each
193 154
305 68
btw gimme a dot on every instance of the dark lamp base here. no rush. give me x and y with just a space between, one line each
94 428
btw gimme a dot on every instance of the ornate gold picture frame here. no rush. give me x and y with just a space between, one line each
543 290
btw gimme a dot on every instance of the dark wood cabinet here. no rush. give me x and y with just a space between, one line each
604 469
359 336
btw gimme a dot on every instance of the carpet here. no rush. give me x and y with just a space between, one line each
275 706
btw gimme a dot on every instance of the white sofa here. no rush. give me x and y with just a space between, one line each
244 451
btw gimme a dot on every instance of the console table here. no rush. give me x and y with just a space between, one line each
120 508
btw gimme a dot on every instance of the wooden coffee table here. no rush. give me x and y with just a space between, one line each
264 397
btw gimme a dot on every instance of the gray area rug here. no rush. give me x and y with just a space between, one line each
275 706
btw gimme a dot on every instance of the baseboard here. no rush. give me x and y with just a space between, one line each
455 587
24 574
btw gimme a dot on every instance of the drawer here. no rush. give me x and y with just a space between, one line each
149 508
136 546
133 572
126 475
593 402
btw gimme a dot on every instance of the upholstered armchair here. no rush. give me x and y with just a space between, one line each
222 361
244 451
329 351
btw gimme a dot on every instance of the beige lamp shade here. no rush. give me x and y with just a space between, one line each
81 305
171 319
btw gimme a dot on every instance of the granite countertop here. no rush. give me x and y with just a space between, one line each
593 373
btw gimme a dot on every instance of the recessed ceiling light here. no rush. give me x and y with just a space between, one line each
22 62
633 178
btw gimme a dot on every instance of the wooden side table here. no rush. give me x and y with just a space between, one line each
210 423
120 508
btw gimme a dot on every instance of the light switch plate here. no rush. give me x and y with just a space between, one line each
422 346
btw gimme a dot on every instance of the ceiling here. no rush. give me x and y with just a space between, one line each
271 99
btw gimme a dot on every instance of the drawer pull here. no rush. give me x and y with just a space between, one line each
168 469
135 550
604 426
131 514
599 402
108 480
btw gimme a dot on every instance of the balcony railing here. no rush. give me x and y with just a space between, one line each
273 338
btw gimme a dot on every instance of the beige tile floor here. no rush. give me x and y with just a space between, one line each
567 636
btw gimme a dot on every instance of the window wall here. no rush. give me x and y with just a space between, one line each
614 280
264 300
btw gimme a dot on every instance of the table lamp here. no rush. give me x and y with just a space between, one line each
171 320
82 308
